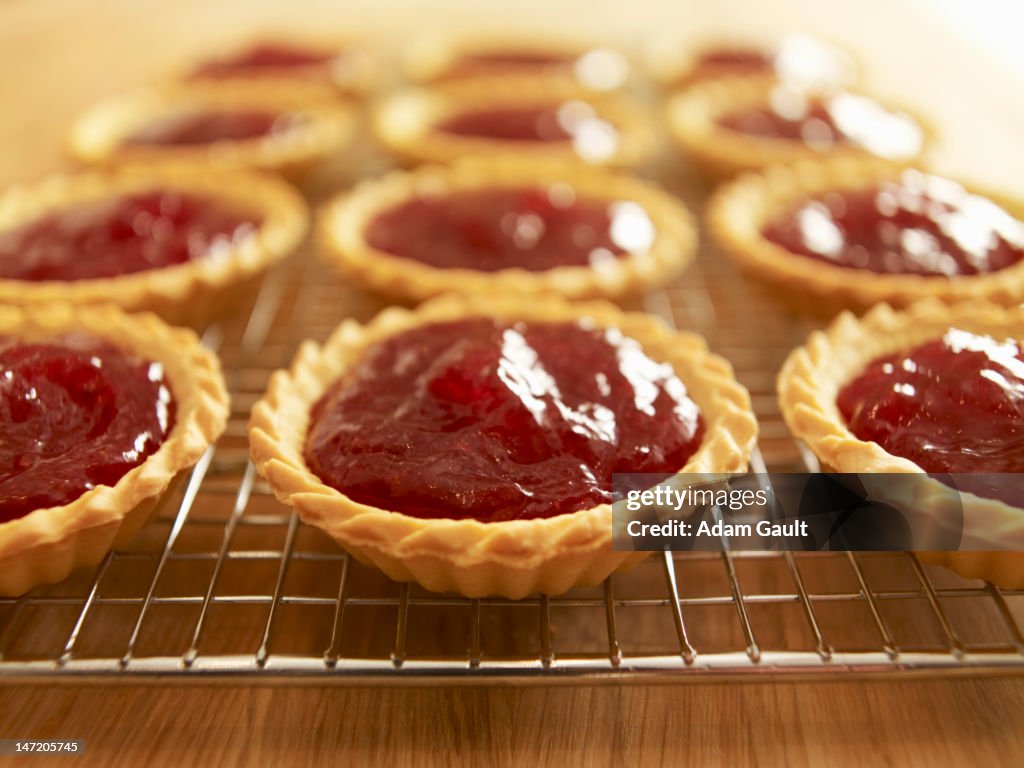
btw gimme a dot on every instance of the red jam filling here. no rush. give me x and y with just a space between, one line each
119 236
922 225
799 59
196 128
75 413
954 405
267 58
822 123
499 228
491 421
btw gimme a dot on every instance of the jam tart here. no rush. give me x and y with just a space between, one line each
346 65
282 127
729 125
804 60
100 411
934 388
437 59
528 118
851 234
184 243
504 226
468 445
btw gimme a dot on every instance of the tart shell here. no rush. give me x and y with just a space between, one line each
46 545
97 136
405 122
810 381
719 153
431 59
513 558
344 220
739 210
353 72
190 294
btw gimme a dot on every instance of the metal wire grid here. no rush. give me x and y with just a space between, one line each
222 544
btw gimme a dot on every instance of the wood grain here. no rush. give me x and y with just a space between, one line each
57 56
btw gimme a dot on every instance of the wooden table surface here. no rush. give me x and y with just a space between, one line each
56 57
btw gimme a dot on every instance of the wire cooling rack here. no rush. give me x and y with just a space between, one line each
227 582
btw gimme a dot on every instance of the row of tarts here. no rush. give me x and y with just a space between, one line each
469 444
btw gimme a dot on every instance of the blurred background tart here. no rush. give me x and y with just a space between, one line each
184 243
732 124
436 59
496 226
281 127
851 234
522 117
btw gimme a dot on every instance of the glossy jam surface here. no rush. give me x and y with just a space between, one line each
121 235
952 405
732 60
197 128
499 228
573 122
491 421
75 413
267 58
922 225
822 123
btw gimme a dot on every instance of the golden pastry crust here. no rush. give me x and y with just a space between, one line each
353 72
405 123
436 59
719 153
97 137
809 384
804 59
344 221
47 544
185 294
739 210
472 558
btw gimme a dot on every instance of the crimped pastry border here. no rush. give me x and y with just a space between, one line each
47 544
96 136
511 558
343 222
739 209
181 294
404 122
720 153
430 58
813 374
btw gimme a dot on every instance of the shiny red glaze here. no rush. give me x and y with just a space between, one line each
490 421
953 405
530 123
267 58
196 128
75 413
492 229
119 236
922 226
